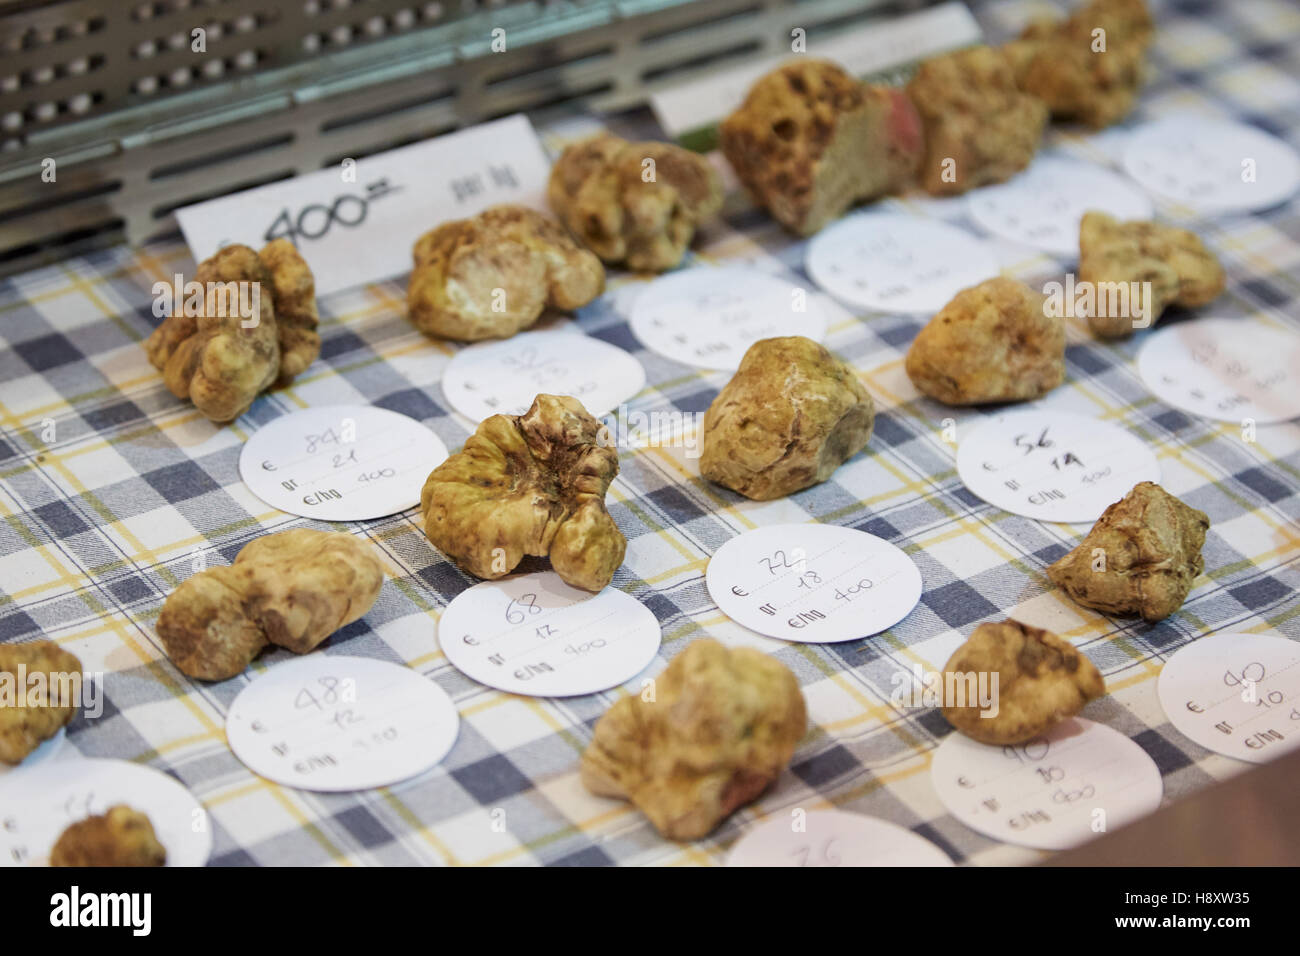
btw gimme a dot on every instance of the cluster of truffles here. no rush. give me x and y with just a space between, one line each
292 589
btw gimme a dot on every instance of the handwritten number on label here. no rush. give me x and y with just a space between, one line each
521 607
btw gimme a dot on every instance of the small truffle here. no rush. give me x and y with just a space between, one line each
231 344
633 203
40 686
790 416
120 837
993 342
1137 269
293 589
722 725
531 484
1082 74
979 127
1041 680
1140 558
810 141
493 275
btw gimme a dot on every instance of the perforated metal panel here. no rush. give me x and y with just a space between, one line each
114 113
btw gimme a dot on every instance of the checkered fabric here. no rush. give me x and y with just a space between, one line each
109 487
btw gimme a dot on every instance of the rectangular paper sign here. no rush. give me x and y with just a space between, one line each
354 229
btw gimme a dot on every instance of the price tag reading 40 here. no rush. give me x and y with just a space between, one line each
533 634
813 583
1053 466
332 723
1073 783
341 462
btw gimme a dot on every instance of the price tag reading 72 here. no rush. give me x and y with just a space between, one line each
315 219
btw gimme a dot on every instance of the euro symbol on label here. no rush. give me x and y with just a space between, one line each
267 466
738 592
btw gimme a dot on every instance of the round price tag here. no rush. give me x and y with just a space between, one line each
1053 466
493 378
891 262
1043 205
1212 165
332 723
833 838
533 634
39 803
1076 781
1236 694
341 462
1229 370
709 317
813 583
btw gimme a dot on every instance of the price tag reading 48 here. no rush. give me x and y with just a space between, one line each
814 584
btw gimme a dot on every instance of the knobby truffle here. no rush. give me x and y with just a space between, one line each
993 342
790 416
1140 558
531 484
493 275
810 141
1041 680
293 589
633 203
719 728
44 680
120 837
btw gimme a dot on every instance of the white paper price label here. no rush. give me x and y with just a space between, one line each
39 803
1043 205
332 723
709 317
813 583
1236 694
1212 165
341 462
356 223
1060 789
833 838
533 634
503 378
1230 370
891 262
1053 466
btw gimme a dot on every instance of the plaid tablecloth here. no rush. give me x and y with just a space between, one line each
109 487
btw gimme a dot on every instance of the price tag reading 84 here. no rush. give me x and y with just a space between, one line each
533 634
1043 205
709 317
1058 790
813 583
332 723
1229 370
340 462
38 803
503 378
1053 466
1236 694
891 262
833 838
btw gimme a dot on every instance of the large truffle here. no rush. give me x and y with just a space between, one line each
120 837
633 203
810 141
293 589
979 127
1135 270
40 685
255 327
493 275
994 342
531 484
1087 67
1140 558
719 728
790 416
1041 680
